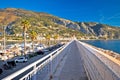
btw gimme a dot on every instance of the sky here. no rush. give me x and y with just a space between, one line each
101 11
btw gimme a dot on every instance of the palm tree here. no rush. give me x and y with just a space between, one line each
55 37
25 25
48 39
33 36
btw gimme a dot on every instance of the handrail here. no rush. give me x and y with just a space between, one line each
29 66
97 63
10 77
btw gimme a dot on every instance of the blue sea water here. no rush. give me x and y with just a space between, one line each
113 45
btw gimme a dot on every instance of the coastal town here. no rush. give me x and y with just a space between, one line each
60 40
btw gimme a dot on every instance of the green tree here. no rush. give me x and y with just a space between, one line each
26 25
16 30
47 37
56 36
33 36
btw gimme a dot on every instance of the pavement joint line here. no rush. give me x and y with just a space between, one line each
59 69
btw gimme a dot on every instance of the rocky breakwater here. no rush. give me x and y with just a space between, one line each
109 52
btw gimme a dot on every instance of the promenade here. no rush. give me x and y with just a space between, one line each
71 68
73 61
97 65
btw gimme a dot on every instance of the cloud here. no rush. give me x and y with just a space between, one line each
112 20
116 16
102 17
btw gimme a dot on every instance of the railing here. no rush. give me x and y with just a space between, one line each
42 69
98 65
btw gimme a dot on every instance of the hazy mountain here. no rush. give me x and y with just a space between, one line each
100 30
44 23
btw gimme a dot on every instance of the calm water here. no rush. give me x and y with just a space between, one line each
113 45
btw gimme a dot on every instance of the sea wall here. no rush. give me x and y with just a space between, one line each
98 65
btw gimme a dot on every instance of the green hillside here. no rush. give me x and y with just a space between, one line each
42 23
45 24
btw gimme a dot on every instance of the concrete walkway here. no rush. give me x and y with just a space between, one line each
71 67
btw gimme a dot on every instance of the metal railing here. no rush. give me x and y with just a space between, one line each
98 65
42 69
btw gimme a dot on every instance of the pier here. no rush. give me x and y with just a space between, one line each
74 61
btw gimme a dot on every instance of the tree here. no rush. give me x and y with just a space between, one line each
56 36
15 30
48 39
33 36
25 25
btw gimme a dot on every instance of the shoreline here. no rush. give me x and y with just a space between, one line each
108 52
97 39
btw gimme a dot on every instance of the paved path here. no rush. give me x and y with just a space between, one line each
72 68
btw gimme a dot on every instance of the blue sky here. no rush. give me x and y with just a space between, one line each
102 11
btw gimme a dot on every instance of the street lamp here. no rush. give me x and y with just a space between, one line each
4 40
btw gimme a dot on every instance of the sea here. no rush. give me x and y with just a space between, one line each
113 45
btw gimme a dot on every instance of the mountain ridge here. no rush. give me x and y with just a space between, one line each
44 23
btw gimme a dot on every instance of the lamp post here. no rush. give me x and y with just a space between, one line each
4 39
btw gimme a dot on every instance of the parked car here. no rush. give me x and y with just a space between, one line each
21 59
11 63
40 52
1 71
45 50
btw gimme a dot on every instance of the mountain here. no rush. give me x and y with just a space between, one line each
44 23
40 22
100 30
